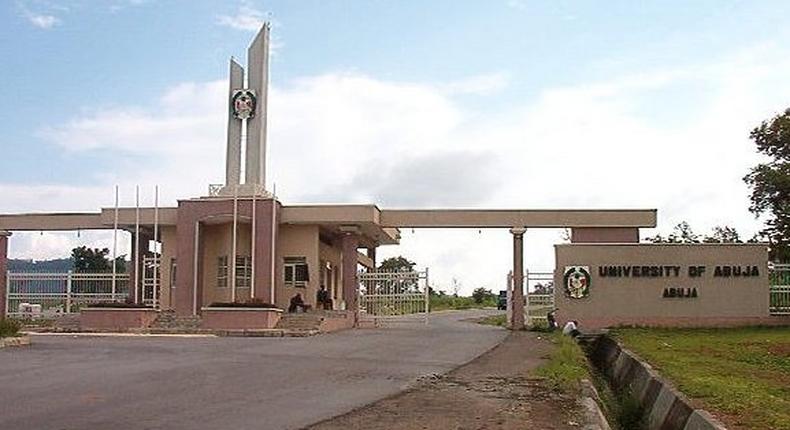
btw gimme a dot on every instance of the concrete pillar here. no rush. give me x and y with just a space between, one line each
348 248
517 315
372 256
233 161
267 229
258 81
145 238
4 235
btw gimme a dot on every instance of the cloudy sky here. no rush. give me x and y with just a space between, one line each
495 104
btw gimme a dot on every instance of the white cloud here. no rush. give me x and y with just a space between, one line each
43 21
247 18
355 138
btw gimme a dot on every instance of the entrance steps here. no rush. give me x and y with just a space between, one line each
168 322
316 321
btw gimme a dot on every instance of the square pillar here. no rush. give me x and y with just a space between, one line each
517 314
372 256
348 248
4 235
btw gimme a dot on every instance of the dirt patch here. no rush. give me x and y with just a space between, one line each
495 391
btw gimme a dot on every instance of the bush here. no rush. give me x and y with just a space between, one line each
9 327
254 303
120 305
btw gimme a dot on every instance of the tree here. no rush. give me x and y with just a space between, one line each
397 264
682 233
94 260
723 234
480 295
770 183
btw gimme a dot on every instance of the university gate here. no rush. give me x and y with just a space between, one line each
389 296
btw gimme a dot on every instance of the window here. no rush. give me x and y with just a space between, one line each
222 271
243 271
295 272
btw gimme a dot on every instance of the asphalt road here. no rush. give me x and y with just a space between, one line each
65 382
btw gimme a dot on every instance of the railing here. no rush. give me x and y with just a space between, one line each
779 302
389 294
63 292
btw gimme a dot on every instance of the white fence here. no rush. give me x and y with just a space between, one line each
779 302
63 292
392 294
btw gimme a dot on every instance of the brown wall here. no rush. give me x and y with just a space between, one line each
207 213
3 268
605 235
169 243
639 300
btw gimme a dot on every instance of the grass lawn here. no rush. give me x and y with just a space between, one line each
742 374
567 364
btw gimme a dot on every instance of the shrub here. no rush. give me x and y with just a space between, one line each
121 305
254 303
9 327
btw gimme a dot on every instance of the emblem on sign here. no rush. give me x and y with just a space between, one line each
577 281
243 104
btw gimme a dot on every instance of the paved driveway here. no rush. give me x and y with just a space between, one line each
224 383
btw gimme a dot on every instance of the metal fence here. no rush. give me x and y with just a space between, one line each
539 295
392 294
63 292
779 302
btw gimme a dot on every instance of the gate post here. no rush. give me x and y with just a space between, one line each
4 282
348 245
517 316
68 292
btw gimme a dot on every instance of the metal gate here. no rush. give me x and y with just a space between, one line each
779 277
393 296
63 292
151 285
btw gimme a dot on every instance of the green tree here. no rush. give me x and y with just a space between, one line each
397 264
682 233
723 234
770 183
94 260
480 295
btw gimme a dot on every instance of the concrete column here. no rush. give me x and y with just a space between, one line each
372 256
233 160
145 238
4 235
258 81
517 315
348 248
265 266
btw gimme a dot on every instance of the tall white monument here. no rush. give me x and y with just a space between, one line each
247 108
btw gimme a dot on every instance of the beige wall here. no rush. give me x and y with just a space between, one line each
331 254
216 241
297 241
639 300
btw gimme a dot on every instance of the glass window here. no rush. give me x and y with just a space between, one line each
222 271
295 272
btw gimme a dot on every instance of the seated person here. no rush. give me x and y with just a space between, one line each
571 329
296 303
323 300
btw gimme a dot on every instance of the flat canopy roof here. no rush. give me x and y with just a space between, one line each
361 215
505 218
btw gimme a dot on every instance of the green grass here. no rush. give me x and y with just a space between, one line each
497 320
567 364
449 302
742 374
9 327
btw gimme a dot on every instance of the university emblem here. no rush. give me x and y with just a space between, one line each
243 104
577 281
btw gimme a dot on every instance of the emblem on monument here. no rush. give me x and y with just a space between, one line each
243 104
576 281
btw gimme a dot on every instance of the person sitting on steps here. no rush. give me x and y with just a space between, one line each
296 303
323 300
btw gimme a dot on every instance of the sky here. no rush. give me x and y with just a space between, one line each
405 104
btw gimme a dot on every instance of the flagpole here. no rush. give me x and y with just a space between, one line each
137 244
156 245
233 248
115 246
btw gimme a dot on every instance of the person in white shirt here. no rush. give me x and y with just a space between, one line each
571 329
